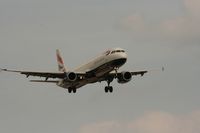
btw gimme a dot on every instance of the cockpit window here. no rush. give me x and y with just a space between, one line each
107 52
117 51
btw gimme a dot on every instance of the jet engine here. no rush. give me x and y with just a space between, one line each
124 77
71 76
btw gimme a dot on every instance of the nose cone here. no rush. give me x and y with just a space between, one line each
120 59
121 55
124 55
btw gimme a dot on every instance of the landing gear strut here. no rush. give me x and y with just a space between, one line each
116 71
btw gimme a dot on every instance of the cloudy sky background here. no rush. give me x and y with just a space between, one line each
155 33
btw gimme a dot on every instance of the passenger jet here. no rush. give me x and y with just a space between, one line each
102 68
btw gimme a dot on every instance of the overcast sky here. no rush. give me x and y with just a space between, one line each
155 33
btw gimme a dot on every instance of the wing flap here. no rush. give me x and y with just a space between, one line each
44 81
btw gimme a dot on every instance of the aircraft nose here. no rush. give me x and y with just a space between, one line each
124 55
121 59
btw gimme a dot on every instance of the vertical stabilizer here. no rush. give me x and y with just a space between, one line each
61 66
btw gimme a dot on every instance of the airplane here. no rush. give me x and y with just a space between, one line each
102 68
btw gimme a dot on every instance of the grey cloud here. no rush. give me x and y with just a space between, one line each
151 122
181 29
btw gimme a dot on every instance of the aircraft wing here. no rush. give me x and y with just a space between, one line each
139 73
59 75
135 73
39 74
144 72
44 81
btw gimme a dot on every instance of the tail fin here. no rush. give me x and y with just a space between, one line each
61 66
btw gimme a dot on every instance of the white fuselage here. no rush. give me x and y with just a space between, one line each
98 67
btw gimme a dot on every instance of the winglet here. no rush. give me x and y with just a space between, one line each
61 66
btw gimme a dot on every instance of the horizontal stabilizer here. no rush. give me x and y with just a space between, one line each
44 81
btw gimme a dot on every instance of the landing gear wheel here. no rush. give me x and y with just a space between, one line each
111 89
69 90
106 89
74 90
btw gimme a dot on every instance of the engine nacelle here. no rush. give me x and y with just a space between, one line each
71 76
124 77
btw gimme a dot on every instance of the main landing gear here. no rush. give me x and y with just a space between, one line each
109 80
70 90
108 88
